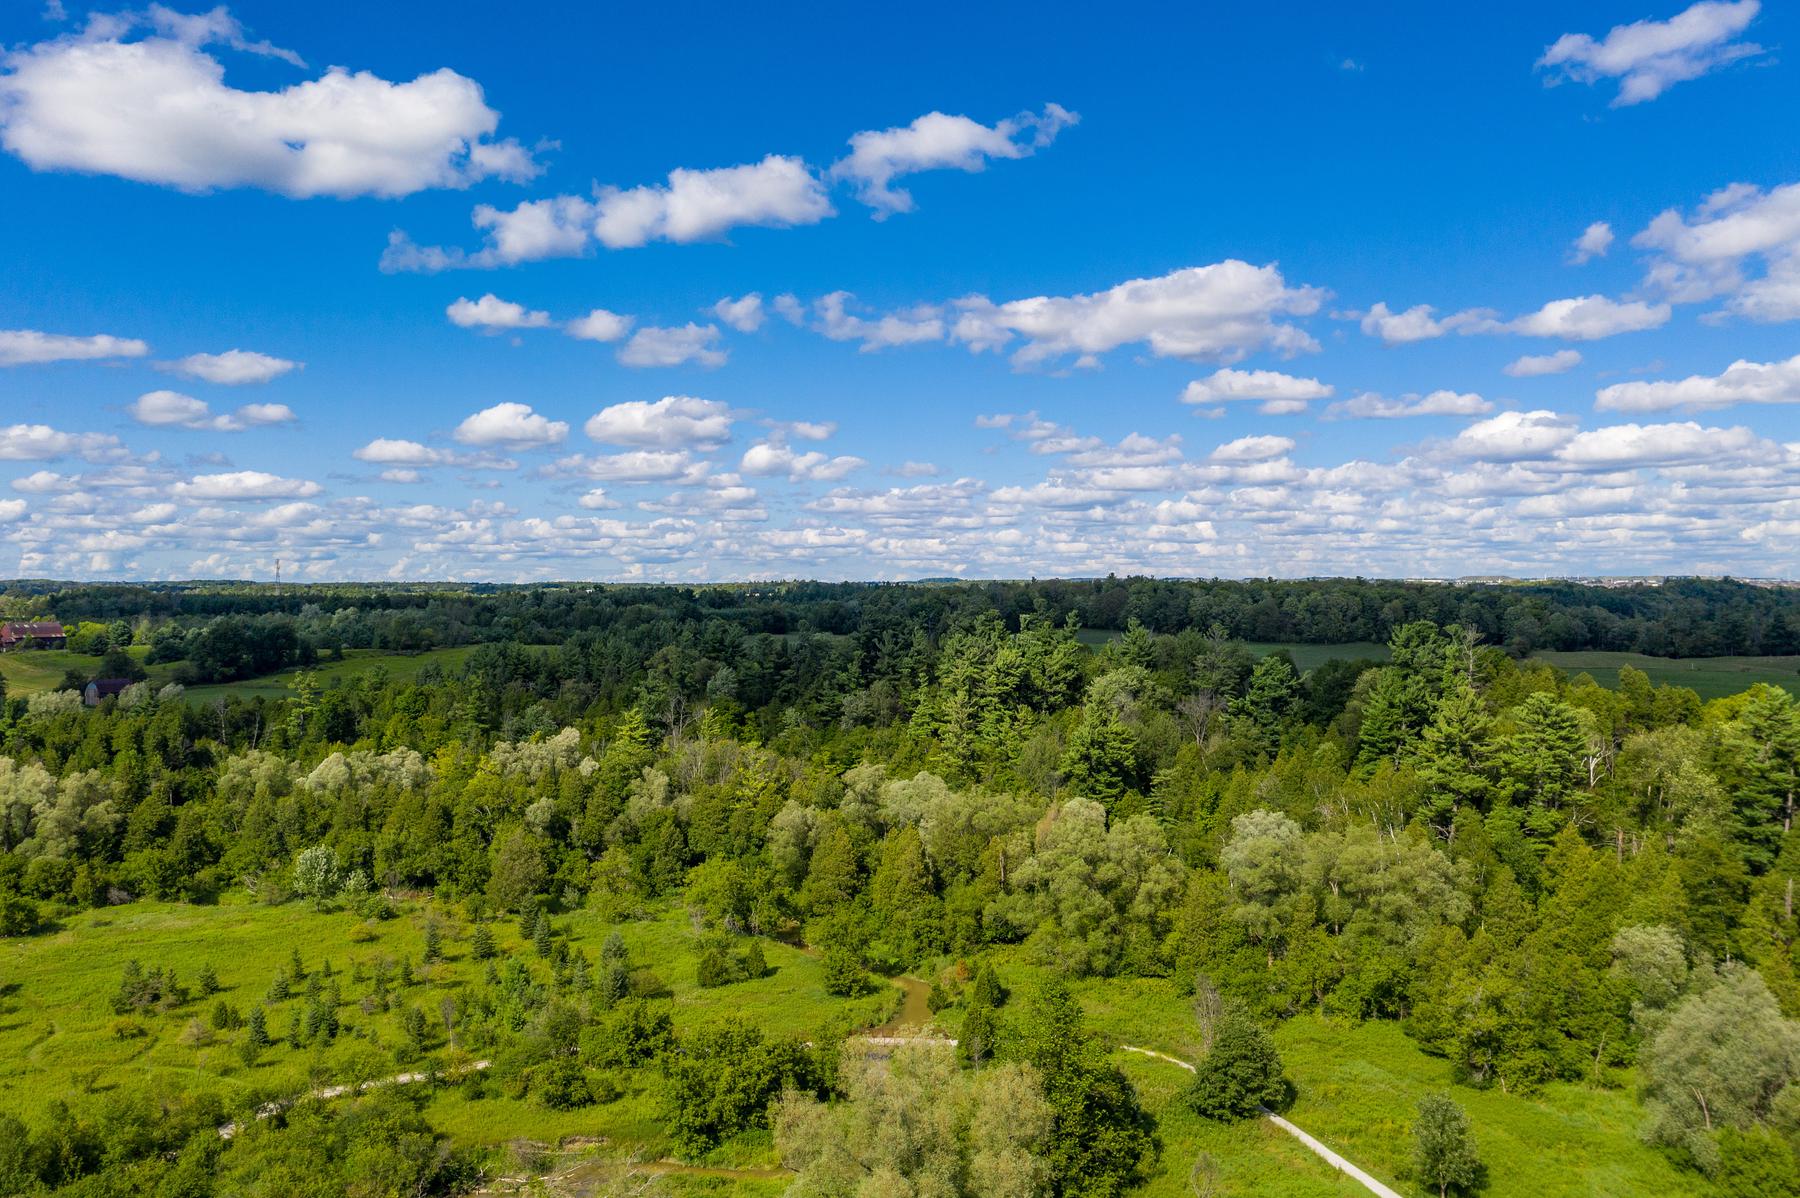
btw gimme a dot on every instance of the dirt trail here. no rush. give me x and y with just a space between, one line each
399 1079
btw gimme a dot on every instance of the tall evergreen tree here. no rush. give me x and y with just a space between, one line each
1100 1138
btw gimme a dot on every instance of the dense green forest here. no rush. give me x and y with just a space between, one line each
1681 618
1542 881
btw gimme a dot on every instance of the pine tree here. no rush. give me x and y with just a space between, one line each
278 989
844 974
1540 764
1451 757
412 1023
1100 1135
754 964
294 965
259 1028
434 942
1273 693
1443 1148
481 943
831 876
1760 755
903 898
1397 706
208 980
540 935
975 1042
714 967
987 991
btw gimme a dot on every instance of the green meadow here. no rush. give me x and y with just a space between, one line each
32 671
1711 677
58 1031
59 1034
399 667
1357 1088
1308 657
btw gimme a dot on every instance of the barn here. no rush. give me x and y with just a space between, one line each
32 634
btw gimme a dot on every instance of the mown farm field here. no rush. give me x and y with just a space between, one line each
1710 677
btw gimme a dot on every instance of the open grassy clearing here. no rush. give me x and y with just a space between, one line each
1358 1087
57 1030
57 1027
33 671
402 667
1712 677
1253 1157
1308 657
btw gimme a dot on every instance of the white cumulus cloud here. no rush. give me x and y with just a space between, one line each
911 327
1370 406
234 367
1648 57
1740 383
1514 436
779 191
1715 251
157 110
510 426
767 458
28 347
633 467
1280 394
492 312
1414 324
1534 365
937 141
1589 318
1220 313
1593 243
1252 449
745 314
672 422
1628 446
1582 318
386 451
652 346
173 409
41 443
599 325
245 484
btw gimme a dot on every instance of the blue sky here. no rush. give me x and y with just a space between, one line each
701 293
